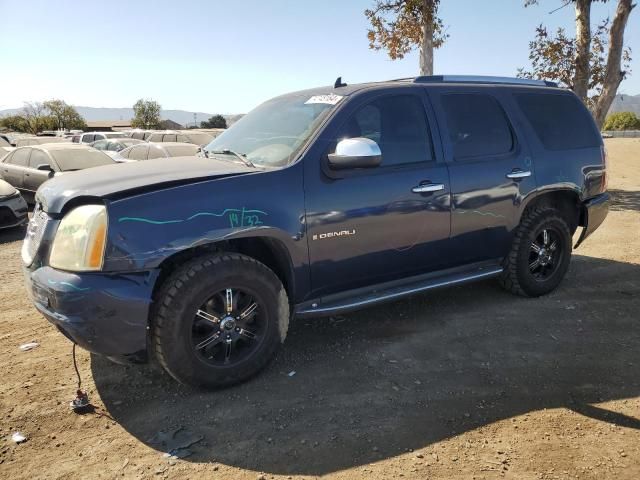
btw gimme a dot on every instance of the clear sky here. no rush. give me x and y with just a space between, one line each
227 56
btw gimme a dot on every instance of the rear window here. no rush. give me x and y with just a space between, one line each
181 150
560 121
478 126
74 159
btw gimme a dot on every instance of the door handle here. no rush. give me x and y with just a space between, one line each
518 174
428 187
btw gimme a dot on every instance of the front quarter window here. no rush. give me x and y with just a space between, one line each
272 134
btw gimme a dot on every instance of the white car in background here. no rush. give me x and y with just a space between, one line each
90 137
113 146
149 151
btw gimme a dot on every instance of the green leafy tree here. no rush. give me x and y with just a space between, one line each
65 116
216 121
622 121
146 114
15 123
591 64
399 26
37 117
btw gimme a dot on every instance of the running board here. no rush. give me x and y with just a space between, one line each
362 298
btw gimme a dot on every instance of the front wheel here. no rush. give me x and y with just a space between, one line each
219 320
540 254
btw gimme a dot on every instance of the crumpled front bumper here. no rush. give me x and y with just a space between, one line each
103 313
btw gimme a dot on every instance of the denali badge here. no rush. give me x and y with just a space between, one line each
322 236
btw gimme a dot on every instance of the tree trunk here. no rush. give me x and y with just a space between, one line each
426 47
613 73
583 47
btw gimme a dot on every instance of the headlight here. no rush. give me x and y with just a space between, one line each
80 240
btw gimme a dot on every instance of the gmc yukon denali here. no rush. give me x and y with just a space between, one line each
316 203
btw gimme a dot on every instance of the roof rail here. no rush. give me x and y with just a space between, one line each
483 79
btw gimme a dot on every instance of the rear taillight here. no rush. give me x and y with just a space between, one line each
605 161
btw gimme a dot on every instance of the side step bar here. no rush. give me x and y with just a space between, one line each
362 298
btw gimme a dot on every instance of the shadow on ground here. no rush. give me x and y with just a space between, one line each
14 234
373 384
625 200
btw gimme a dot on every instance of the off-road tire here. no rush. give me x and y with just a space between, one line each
516 276
179 298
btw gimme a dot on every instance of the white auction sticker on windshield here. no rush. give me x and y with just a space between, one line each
330 99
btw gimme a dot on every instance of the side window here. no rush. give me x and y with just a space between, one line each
139 153
38 158
88 138
99 136
155 152
20 157
171 137
100 145
398 125
477 124
182 138
559 120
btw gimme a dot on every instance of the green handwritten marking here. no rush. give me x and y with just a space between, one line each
146 220
238 217
70 285
478 212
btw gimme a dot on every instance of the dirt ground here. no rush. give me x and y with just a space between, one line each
467 383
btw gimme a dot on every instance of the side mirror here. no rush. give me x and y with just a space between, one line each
357 152
45 167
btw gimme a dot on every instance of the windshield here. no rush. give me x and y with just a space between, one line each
271 134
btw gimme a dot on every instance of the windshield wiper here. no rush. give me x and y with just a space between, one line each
241 156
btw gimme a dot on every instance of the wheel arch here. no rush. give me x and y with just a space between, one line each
566 200
270 251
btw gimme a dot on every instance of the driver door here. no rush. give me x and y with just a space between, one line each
371 225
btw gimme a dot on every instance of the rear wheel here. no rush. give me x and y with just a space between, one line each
219 320
540 254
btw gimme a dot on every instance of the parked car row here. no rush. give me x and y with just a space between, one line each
196 137
26 168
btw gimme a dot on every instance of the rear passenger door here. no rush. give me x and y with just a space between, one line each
490 167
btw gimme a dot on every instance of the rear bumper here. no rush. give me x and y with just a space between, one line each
104 313
595 211
13 212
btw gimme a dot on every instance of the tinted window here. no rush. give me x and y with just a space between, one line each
88 138
477 125
560 121
137 135
20 157
397 124
171 137
38 158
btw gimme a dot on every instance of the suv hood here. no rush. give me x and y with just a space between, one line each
109 180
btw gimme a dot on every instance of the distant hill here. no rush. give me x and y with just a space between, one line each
92 114
626 103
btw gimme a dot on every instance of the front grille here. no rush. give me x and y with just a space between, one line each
35 231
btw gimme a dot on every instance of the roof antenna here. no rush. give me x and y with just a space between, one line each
339 83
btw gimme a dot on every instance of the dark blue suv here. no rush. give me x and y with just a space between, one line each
316 203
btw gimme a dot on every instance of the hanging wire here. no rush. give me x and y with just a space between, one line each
75 365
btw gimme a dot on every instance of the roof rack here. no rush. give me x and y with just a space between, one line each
482 79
